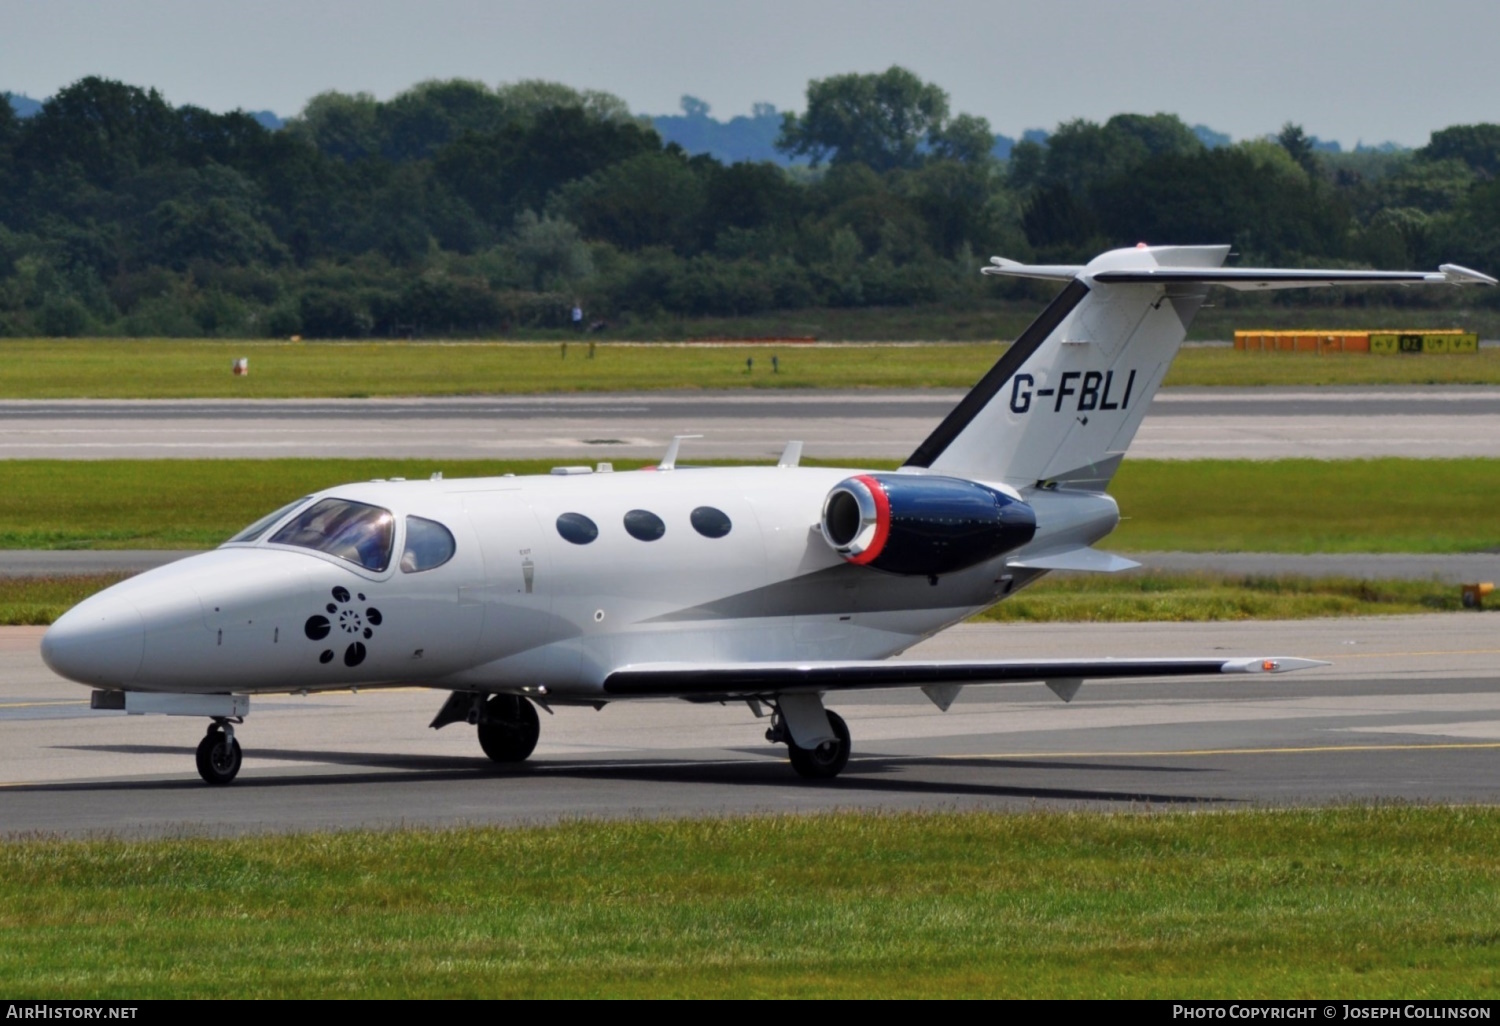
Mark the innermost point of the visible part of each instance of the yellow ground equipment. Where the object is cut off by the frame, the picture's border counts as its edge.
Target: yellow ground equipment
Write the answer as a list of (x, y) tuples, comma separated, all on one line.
[(1378, 342)]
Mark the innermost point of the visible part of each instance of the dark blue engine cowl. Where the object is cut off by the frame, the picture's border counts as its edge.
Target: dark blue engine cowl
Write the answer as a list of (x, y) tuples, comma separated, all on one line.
[(920, 524)]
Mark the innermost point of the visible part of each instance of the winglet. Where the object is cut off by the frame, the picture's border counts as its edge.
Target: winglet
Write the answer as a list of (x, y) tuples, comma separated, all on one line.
[(1275, 664), (1457, 275)]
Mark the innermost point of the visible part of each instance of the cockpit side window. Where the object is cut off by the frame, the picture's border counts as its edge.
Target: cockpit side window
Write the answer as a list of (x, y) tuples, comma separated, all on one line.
[(360, 533), (263, 525), (428, 544)]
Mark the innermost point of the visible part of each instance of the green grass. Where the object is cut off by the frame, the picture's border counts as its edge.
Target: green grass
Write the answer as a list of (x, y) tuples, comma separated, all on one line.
[(1140, 597), (1334, 903), (1381, 505), (157, 368), (1386, 505), (36, 601), (1101, 598)]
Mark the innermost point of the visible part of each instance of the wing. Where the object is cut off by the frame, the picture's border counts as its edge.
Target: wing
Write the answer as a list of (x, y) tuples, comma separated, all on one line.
[(715, 681)]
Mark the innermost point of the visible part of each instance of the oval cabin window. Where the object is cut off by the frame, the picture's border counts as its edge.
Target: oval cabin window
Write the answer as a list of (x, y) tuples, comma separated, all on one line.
[(644, 524), (577, 528), (710, 522)]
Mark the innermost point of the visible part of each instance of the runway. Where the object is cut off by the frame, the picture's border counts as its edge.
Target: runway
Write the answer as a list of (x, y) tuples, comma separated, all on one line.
[(1188, 423), (1409, 711)]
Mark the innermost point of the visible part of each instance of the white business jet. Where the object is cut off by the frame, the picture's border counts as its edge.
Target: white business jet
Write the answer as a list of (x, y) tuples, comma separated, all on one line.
[(773, 586)]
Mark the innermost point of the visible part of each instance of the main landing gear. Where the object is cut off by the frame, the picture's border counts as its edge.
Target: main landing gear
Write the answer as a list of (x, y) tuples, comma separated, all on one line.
[(508, 724), (823, 752), (219, 754)]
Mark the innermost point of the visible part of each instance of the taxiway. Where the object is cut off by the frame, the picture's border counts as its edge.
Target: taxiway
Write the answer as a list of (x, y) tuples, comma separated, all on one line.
[(1184, 423), (1409, 710)]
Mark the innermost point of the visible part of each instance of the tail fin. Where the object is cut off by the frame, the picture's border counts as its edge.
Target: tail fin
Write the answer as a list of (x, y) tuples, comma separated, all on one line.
[(1064, 401)]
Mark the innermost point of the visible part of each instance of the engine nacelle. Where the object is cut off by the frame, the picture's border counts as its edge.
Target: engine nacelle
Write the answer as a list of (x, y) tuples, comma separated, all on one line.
[(919, 524)]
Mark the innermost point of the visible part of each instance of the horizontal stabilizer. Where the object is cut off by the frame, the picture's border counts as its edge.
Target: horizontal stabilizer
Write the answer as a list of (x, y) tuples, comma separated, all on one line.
[(1083, 559), (1257, 278), (714, 681), (1016, 269)]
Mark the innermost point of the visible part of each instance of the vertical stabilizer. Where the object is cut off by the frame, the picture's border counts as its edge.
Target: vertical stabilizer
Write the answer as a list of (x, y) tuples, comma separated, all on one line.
[(1064, 401)]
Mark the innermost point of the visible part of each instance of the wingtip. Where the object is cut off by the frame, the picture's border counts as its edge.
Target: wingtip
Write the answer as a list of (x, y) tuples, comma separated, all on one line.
[(1273, 664), (1457, 274)]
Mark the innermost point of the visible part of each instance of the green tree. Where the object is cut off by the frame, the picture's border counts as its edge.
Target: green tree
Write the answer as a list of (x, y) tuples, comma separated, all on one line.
[(342, 125), (654, 199), (1475, 145), (883, 121), (1298, 146), (550, 252)]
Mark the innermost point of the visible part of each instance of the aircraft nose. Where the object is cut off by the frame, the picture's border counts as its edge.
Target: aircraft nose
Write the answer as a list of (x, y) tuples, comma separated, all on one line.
[(100, 641)]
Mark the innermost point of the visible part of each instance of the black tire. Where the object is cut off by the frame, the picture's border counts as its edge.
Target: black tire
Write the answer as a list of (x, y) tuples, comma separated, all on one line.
[(219, 758), (509, 728), (828, 759)]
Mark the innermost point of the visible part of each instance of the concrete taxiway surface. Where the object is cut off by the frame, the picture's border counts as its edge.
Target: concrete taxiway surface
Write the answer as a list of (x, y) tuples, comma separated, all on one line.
[(1189, 423), (1409, 710)]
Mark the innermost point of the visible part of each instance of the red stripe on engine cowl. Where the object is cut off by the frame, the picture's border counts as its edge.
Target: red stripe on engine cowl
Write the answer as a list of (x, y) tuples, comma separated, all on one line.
[(882, 520)]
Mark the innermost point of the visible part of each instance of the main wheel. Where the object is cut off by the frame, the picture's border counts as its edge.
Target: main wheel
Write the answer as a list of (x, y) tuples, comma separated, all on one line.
[(509, 728), (218, 757), (829, 758)]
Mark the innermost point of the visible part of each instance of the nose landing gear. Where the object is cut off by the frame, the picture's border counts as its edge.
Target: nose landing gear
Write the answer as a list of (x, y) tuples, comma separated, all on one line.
[(219, 753), (508, 728)]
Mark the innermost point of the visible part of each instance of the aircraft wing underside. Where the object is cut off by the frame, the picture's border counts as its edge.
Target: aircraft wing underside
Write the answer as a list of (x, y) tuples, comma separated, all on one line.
[(750, 680)]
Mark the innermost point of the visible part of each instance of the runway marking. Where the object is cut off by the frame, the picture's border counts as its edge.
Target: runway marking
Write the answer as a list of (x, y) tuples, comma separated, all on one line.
[(33, 705), (1213, 751)]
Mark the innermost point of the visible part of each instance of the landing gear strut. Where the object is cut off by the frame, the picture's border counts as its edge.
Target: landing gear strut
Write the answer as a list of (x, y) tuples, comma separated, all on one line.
[(508, 728), (219, 753)]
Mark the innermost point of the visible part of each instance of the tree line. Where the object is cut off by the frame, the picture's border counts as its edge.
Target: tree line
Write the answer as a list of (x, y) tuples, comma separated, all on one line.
[(461, 209)]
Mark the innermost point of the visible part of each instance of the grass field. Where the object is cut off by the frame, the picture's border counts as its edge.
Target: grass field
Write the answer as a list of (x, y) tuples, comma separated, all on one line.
[(1115, 598), (1142, 597), (116, 369), (1386, 505), (1352, 903)]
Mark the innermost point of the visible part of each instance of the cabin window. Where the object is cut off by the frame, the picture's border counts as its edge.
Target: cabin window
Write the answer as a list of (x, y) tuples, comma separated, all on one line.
[(428, 544), (263, 525), (710, 522), (644, 524), (359, 533), (577, 528)]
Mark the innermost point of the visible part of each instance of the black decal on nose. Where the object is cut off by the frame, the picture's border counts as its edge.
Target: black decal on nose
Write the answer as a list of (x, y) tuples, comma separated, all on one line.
[(327, 656), (331, 608), (368, 634), (373, 615), (361, 596), (317, 627), (354, 654), (341, 593)]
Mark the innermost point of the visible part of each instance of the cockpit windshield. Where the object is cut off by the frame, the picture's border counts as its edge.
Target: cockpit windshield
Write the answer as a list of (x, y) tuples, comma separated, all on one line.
[(349, 530), (263, 525)]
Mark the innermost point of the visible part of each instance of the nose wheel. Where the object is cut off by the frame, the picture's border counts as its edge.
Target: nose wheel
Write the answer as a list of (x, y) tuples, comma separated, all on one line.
[(219, 753), (508, 728)]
